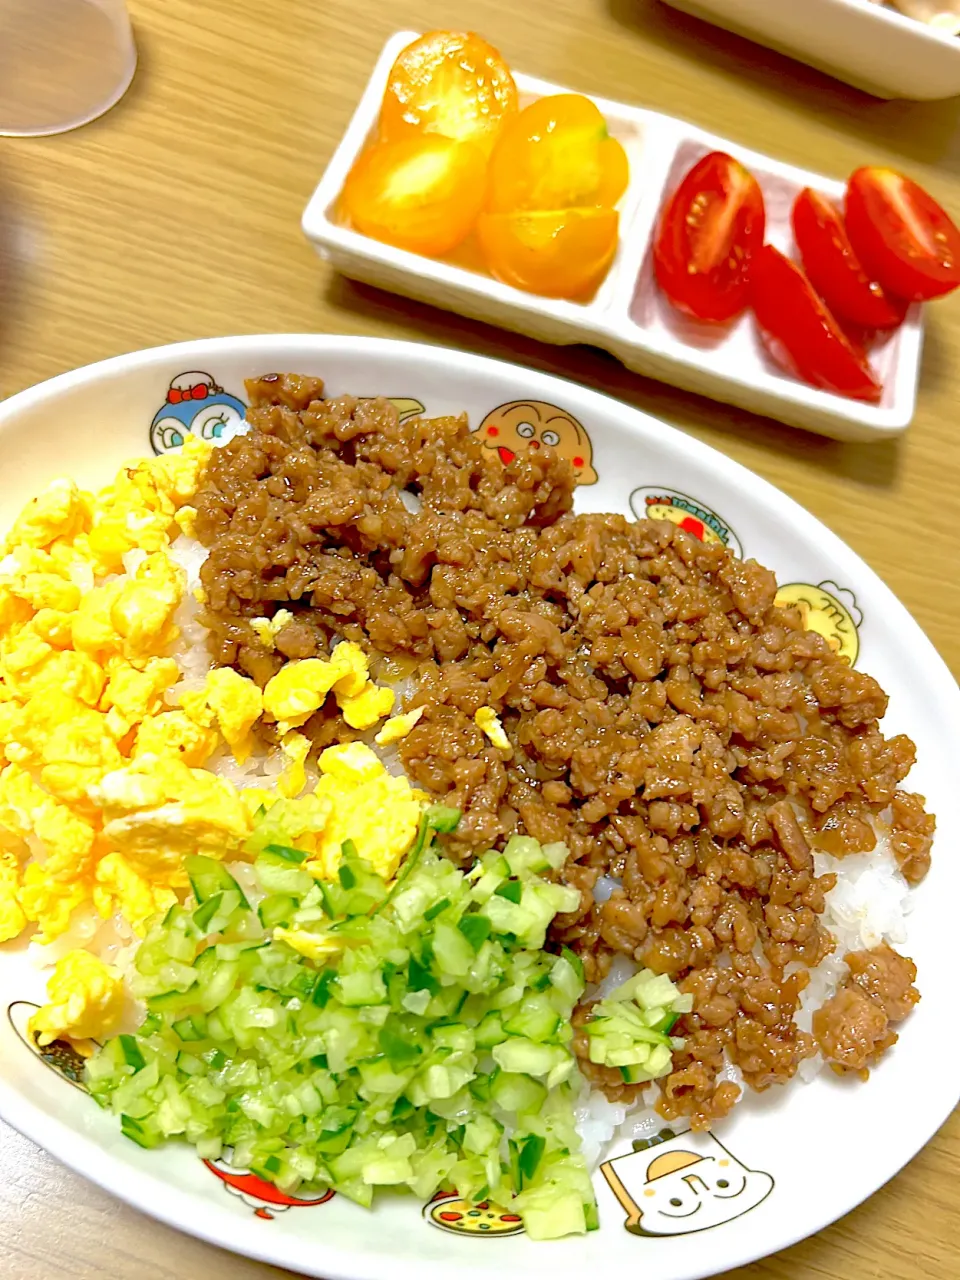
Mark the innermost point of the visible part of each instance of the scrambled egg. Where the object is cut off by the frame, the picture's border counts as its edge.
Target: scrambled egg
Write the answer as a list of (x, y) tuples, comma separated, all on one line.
[(103, 784), (367, 805), (296, 747), (12, 919), (267, 629), (158, 810), (88, 594), (300, 688), (488, 723), (314, 946), (398, 727), (85, 1001), (231, 700)]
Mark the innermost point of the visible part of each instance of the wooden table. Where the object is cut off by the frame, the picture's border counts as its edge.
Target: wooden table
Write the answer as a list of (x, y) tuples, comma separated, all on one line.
[(177, 216)]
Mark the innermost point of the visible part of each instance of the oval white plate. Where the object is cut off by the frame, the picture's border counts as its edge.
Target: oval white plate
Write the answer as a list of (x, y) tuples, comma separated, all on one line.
[(802, 1156)]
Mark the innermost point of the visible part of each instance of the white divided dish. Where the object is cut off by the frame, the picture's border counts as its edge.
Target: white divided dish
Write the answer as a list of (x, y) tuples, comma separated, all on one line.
[(873, 48), (629, 316)]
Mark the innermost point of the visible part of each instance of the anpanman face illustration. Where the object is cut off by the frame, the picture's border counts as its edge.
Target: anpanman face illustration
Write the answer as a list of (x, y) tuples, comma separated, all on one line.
[(534, 424), (683, 1184), (829, 610)]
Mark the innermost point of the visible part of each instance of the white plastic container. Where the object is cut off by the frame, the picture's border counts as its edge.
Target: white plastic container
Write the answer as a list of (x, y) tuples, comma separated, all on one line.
[(629, 316), (64, 63), (875, 49)]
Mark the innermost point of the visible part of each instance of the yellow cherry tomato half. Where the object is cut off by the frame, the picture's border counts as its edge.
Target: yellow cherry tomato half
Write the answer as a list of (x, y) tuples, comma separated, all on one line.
[(421, 193), (556, 154), (555, 253), (452, 83)]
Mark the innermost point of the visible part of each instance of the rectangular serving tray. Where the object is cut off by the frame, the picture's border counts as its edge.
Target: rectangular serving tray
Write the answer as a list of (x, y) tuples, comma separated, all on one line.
[(628, 316)]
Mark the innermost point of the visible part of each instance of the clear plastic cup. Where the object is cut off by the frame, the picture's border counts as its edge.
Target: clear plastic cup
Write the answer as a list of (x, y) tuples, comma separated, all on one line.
[(62, 63)]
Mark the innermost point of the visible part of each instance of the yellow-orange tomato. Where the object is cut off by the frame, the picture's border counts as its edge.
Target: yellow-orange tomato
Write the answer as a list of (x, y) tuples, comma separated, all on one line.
[(452, 83), (556, 154), (556, 253), (421, 193)]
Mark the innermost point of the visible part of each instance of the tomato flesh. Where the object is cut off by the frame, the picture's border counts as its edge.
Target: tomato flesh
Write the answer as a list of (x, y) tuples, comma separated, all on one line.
[(561, 253), (834, 269), (800, 333), (710, 230), (421, 193), (904, 239), (452, 83), (556, 154)]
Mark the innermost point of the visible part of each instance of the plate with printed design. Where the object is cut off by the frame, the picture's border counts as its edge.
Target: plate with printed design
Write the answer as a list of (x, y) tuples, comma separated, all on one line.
[(678, 1205)]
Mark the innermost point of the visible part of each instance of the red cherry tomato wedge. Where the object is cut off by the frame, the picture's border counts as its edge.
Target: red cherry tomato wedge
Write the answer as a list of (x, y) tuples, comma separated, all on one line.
[(800, 333), (711, 227), (834, 269), (901, 235)]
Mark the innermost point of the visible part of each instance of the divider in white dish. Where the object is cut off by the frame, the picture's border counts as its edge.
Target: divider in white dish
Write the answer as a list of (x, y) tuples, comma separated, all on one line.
[(629, 316)]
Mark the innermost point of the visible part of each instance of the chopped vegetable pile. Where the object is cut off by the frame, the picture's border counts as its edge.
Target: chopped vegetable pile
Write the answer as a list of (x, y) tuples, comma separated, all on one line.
[(356, 1034)]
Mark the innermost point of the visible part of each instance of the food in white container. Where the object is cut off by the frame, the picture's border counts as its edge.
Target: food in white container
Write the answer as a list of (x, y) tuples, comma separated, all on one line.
[(871, 47), (628, 316)]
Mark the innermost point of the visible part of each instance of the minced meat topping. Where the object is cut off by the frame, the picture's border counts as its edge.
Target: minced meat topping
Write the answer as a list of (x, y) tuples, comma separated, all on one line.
[(688, 739)]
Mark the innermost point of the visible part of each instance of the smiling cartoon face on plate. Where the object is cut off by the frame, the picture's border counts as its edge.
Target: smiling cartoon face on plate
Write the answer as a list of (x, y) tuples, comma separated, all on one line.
[(684, 1184), (534, 424), (829, 610), (196, 405)]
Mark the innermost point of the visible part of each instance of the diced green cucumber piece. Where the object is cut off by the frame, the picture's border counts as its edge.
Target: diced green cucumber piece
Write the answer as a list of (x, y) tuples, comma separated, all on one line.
[(524, 854), (208, 878), (288, 853), (443, 818)]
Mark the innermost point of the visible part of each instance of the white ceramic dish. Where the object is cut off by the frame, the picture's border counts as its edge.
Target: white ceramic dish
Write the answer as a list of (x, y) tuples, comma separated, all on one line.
[(806, 1154), (875, 49), (628, 316)]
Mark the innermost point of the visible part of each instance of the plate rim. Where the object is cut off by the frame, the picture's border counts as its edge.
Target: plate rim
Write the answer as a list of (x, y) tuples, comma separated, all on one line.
[(150, 1193)]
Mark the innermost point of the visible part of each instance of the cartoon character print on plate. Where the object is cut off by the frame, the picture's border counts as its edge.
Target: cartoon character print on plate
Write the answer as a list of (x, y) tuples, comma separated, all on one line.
[(663, 502), (462, 1218), (533, 424), (196, 405), (264, 1198), (830, 610), (65, 1057), (674, 1185)]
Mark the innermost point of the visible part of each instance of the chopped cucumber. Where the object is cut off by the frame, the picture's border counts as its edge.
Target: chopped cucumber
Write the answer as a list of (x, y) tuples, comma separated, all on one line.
[(384, 1036), (630, 1029)]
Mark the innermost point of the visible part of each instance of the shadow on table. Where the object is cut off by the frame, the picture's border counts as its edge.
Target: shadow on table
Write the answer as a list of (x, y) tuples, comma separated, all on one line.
[(869, 464), (925, 132)]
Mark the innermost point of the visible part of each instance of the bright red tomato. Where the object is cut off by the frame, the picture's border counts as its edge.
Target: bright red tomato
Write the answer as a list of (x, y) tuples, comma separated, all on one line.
[(901, 235), (801, 334), (710, 229), (834, 269)]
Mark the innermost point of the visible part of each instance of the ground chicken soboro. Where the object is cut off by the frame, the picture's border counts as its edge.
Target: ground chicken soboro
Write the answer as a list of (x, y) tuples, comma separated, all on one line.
[(676, 729)]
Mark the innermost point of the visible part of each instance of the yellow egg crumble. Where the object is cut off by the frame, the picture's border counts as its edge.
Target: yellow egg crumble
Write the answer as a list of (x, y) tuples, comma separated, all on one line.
[(104, 784)]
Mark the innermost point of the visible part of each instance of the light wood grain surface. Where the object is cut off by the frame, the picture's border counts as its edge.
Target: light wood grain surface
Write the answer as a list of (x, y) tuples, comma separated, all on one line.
[(177, 216)]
